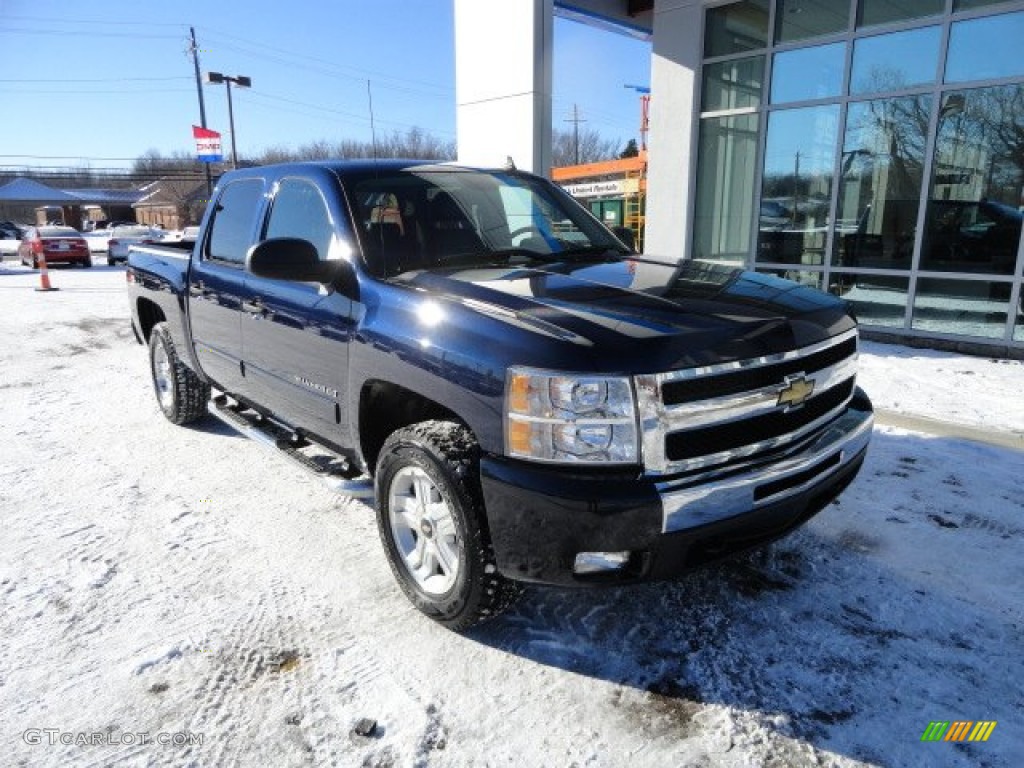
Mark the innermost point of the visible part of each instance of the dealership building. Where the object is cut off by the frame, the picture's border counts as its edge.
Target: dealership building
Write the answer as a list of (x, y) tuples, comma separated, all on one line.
[(871, 148)]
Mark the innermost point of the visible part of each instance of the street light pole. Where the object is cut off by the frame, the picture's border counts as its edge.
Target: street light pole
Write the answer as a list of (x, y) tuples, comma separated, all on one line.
[(242, 82), (231, 123)]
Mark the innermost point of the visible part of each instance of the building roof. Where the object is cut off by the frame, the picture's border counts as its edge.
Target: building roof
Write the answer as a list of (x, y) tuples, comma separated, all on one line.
[(31, 191), (23, 190)]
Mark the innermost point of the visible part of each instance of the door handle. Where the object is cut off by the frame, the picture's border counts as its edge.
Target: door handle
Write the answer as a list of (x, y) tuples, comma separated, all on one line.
[(197, 290)]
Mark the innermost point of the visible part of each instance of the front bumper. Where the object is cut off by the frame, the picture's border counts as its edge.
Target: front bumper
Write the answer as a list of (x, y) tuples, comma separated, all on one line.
[(540, 518)]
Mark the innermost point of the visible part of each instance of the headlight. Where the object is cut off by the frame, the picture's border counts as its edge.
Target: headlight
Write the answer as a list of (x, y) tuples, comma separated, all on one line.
[(570, 418)]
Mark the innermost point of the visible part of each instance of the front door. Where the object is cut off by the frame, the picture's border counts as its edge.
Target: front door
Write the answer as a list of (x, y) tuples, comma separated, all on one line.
[(295, 335)]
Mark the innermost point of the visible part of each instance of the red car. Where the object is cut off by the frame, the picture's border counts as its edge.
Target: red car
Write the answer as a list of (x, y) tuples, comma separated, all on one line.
[(60, 245)]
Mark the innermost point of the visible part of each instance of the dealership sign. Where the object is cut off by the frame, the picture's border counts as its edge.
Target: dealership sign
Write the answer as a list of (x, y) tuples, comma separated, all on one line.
[(207, 144), (617, 187)]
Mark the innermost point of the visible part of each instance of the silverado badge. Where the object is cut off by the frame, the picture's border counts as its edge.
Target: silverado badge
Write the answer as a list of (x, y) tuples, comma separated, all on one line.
[(798, 388)]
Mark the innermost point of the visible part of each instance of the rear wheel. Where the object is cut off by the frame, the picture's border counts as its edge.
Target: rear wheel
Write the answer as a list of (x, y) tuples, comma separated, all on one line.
[(430, 516), (181, 394)]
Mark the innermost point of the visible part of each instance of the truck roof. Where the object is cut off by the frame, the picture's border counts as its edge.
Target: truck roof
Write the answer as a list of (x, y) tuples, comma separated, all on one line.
[(355, 166)]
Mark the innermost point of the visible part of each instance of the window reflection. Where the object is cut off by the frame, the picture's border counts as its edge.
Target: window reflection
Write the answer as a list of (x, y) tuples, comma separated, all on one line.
[(974, 209), (797, 185), (725, 187), (733, 84), (986, 48), (810, 279), (801, 19), (875, 299), (966, 308), (880, 182), (736, 28), (883, 11), (895, 61), (808, 73)]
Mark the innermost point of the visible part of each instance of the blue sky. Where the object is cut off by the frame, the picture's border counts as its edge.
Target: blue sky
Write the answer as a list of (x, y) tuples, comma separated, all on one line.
[(99, 83)]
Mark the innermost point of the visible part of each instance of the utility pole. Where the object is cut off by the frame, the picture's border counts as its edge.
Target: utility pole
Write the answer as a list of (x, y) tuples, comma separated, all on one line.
[(194, 50), (576, 120)]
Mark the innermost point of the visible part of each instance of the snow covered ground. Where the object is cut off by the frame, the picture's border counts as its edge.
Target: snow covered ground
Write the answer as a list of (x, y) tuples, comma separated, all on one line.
[(162, 580)]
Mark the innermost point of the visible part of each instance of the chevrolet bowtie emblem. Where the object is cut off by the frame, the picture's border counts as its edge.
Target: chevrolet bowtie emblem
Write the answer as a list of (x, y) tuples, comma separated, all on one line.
[(798, 388)]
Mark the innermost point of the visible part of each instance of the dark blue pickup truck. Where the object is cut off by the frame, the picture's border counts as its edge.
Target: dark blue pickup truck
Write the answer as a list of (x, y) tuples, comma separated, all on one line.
[(524, 397)]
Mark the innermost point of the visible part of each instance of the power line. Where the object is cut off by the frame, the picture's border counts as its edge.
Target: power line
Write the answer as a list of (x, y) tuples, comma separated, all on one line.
[(96, 80), (104, 22), (78, 33), (261, 48)]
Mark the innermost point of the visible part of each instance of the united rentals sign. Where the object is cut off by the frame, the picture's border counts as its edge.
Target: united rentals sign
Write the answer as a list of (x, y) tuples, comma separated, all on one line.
[(616, 188)]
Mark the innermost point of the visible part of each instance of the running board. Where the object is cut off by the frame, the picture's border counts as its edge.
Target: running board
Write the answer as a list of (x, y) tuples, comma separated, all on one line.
[(332, 471)]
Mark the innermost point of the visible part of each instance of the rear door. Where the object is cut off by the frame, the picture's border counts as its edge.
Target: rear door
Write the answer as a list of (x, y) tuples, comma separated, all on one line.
[(295, 335), (217, 280)]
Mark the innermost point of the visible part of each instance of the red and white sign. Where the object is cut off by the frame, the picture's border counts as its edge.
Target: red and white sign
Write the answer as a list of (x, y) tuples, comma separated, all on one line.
[(207, 144)]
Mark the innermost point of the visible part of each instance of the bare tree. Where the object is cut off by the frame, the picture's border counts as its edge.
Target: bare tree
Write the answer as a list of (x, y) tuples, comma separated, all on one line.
[(593, 147)]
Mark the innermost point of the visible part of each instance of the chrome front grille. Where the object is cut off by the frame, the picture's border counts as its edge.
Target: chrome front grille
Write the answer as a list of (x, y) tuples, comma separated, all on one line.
[(703, 418)]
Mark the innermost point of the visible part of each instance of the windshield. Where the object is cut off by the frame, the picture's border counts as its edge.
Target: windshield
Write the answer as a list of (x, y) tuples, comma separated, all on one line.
[(437, 219)]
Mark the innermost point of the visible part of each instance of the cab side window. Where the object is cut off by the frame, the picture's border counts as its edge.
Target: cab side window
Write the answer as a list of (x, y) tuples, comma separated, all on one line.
[(300, 211), (232, 230)]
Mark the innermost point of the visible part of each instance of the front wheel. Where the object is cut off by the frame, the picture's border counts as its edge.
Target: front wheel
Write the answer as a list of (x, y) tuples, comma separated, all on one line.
[(182, 395), (430, 516)]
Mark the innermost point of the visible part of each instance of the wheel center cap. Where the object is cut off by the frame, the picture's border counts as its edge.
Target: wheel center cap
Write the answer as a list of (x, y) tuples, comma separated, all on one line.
[(427, 528)]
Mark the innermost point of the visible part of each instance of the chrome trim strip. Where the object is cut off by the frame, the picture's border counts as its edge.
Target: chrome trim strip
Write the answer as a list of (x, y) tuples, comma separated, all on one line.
[(658, 420), (758, 362), (745, 405), (693, 506), (725, 457)]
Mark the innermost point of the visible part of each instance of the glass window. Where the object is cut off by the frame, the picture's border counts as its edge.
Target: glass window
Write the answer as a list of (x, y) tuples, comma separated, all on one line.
[(810, 279), (988, 48), (895, 61), (801, 19), (875, 299), (880, 182), (884, 11), (300, 211), (725, 187), (966, 308), (1018, 332), (736, 28), (232, 232), (974, 208), (966, 5), (733, 84), (808, 73), (797, 185)]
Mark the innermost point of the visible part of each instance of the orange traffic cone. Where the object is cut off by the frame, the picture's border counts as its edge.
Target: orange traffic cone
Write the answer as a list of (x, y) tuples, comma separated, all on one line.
[(44, 276)]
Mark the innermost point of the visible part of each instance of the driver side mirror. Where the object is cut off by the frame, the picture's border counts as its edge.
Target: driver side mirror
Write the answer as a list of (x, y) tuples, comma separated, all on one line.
[(297, 260)]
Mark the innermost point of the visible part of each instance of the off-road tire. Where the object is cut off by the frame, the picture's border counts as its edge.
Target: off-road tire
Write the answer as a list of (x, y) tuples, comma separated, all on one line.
[(449, 455), (186, 395)]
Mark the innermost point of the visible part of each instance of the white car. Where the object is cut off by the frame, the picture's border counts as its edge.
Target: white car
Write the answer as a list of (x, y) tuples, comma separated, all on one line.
[(98, 240), (122, 238), (8, 245)]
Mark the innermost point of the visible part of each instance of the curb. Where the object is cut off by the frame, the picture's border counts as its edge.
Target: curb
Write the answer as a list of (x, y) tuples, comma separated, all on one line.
[(999, 438)]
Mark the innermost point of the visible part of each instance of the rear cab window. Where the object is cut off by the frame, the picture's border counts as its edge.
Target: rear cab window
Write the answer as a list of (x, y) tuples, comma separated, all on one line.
[(234, 221)]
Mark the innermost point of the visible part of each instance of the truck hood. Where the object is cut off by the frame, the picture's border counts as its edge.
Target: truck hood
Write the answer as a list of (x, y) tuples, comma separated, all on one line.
[(654, 315)]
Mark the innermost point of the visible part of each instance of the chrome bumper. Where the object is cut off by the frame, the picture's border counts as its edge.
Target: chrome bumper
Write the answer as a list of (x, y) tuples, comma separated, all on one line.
[(712, 501)]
